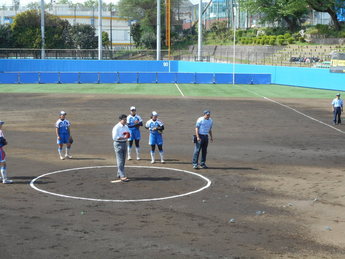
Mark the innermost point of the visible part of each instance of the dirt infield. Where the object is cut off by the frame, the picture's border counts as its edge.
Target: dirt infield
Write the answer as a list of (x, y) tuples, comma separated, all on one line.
[(277, 181)]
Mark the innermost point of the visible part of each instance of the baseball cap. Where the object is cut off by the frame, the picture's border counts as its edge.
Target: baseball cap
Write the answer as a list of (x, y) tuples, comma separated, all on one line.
[(154, 113), (132, 108), (207, 112), (338, 94), (2, 122), (63, 113)]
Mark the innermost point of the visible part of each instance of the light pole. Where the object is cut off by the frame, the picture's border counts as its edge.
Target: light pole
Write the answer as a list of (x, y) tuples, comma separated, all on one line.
[(158, 30), (42, 31), (99, 29), (200, 30)]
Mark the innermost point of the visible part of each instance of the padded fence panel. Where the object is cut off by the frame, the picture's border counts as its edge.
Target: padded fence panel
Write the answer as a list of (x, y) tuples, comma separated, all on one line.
[(129, 78), (28, 78), (223, 78), (204, 78), (166, 78), (49, 78), (252, 79), (8, 78), (89, 78), (185, 78), (69, 78), (147, 78), (108, 78)]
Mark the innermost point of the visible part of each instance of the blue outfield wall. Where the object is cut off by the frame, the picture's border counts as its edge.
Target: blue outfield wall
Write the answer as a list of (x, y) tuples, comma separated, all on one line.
[(121, 71)]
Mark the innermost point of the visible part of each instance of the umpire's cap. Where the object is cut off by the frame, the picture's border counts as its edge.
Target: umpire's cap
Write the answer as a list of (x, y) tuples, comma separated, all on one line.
[(2, 122), (207, 112), (154, 113), (63, 113)]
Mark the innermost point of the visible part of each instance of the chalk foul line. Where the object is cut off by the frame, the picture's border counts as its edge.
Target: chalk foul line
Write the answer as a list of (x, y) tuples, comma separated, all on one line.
[(178, 88), (293, 109)]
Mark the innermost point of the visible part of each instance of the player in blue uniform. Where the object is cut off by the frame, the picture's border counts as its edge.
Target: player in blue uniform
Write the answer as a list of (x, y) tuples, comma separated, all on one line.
[(134, 122), (3, 143), (156, 128), (337, 106), (63, 135)]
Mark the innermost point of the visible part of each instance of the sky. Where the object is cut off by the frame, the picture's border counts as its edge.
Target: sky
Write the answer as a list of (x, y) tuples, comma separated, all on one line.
[(25, 2)]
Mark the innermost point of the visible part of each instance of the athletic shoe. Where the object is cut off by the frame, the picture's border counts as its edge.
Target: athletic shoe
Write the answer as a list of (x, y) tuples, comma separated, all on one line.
[(68, 156), (6, 181), (138, 157), (195, 167), (162, 161), (204, 166), (152, 161), (129, 157), (62, 158)]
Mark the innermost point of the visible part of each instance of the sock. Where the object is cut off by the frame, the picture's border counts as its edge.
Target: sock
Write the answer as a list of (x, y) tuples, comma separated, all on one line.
[(3, 172), (161, 153), (129, 151), (152, 155), (60, 151), (138, 151), (68, 151)]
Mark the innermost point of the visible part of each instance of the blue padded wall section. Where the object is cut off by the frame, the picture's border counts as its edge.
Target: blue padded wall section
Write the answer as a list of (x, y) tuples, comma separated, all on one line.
[(90, 78), (8, 78), (29, 78), (69, 78), (166, 78), (108, 78), (204, 78), (49, 78), (223, 78), (129, 78), (185, 78), (147, 78)]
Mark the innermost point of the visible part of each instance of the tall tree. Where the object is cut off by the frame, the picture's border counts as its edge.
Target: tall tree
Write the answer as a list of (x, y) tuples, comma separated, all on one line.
[(84, 36), (6, 39), (328, 6), (26, 30), (290, 11)]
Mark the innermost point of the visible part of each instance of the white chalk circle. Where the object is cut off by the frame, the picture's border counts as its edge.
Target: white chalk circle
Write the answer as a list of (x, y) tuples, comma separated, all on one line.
[(208, 183)]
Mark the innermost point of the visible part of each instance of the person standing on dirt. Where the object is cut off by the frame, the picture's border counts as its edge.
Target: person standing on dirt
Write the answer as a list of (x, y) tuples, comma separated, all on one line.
[(134, 122), (3, 143), (63, 134), (337, 105), (156, 128), (203, 128), (120, 134)]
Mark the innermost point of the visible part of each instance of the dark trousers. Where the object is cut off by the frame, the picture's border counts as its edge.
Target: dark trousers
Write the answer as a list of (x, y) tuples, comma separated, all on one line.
[(200, 146), (337, 113)]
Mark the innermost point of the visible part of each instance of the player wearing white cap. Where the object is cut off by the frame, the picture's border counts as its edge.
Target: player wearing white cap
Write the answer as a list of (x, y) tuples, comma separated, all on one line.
[(134, 122), (63, 135), (337, 107), (156, 128), (3, 143)]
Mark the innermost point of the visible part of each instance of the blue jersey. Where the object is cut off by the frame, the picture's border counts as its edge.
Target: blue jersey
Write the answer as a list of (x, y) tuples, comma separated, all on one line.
[(63, 127), (134, 122), (155, 138), (204, 126)]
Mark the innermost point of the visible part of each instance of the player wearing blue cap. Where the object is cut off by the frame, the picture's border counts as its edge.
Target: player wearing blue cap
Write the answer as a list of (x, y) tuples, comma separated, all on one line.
[(203, 128), (156, 128), (3, 143), (63, 135), (134, 122)]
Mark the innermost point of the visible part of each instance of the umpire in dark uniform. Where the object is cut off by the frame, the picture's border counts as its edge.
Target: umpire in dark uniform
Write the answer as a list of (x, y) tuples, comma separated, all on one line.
[(203, 128)]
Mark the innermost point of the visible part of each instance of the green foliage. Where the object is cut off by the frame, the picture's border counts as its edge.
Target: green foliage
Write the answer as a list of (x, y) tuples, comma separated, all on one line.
[(6, 36), (83, 36), (148, 39), (26, 30)]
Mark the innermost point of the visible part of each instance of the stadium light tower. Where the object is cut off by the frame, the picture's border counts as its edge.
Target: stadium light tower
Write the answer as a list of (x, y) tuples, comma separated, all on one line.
[(100, 30), (200, 30), (42, 31), (158, 30)]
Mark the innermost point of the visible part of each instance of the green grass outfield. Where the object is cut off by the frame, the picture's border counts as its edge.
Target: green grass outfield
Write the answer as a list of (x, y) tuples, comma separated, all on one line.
[(188, 90)]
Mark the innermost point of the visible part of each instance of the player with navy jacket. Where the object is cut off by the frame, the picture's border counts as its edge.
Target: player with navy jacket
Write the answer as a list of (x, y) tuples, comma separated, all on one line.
[(156, 128), (134, 122), (63, 135)]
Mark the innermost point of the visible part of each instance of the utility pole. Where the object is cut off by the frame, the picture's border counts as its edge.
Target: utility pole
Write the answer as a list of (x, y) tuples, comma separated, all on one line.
[(200, 30), (158, 34), (43, 56), (100, 30)]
